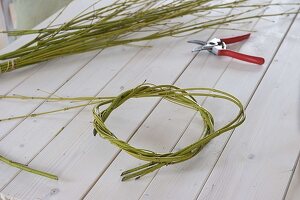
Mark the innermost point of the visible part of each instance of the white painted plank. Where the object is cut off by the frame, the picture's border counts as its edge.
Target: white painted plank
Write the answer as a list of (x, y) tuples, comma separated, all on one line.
[(258, 160), (70, 187), (61, 69), (141, 66), (191, 176), (87, 82), (64, 188), (50, 77), (293, 192), (79, 148), (181, 183), (60, 17), (8, 81)]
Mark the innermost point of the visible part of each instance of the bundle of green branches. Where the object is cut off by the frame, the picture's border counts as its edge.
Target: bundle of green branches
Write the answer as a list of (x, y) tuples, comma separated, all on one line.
[(118, 23), (184, 97)]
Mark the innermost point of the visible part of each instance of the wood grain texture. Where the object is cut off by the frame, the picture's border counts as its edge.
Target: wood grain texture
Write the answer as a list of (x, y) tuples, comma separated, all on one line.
[(147, 66), (259, 158), (9, 81), (49, 77), (184, 180), (140, 67), (89, 167), (293, 192), (92, 153)]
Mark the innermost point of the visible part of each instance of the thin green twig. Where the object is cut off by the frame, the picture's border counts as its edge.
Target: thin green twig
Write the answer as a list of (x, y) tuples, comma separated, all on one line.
[(118, 24), (184, 97)]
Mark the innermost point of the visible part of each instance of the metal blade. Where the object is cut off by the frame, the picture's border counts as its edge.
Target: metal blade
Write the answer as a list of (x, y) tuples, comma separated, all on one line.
[(200, 42), (203, 48)]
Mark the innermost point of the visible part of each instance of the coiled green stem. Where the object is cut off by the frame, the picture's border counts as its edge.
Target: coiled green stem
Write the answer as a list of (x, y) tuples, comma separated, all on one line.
[(184, 97)]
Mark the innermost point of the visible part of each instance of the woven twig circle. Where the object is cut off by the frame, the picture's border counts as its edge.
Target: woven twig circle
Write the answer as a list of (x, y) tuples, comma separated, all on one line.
[(176, 95)]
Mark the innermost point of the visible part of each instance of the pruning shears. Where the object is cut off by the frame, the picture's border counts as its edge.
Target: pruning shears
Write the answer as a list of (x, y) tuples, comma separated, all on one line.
[(218, 47)]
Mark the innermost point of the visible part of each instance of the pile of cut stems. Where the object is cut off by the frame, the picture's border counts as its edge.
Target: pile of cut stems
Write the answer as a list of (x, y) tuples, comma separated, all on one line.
[(121, 23)]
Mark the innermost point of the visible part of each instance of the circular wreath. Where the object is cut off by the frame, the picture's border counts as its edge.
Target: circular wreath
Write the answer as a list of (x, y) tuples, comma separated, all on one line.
[(184, 97)]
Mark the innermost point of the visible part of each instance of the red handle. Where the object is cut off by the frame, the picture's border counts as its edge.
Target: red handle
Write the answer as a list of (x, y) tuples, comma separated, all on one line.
[(236, 39), (243, 57)]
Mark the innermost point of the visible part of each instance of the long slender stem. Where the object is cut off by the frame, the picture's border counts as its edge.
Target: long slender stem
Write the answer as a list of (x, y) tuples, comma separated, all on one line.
[(117, 24), (28, 169)]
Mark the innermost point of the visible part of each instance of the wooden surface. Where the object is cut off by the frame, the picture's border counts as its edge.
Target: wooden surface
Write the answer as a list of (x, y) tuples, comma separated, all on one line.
[(256, 161)]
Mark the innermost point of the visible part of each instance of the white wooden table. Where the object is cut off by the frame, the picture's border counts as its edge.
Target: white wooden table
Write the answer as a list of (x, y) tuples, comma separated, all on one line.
[(258, 160)]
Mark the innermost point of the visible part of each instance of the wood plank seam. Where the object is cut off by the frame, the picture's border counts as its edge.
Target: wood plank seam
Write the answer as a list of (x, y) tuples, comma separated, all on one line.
[(296, 165), (42, 102), (2, 188), (280, 53), (248, 102), (68, 122), (68, 79), (231, 132), (44, 64), (96, 180), (187, 65), (132, 58), (192, 59), (179, 137), (41, 64)]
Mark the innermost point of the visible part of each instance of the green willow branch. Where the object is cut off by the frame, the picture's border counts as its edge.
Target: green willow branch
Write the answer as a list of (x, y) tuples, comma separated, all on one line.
[(28, 169), (118, 24), (184, 97)]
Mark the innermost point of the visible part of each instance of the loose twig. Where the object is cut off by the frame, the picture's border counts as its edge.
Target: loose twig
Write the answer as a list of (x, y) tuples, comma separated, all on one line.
[(184, 97)]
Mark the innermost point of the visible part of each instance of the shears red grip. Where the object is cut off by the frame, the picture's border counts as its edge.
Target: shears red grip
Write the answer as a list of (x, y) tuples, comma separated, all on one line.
[(218, 47)]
